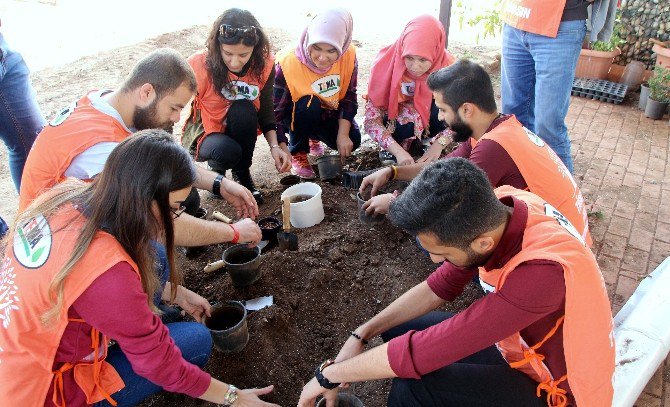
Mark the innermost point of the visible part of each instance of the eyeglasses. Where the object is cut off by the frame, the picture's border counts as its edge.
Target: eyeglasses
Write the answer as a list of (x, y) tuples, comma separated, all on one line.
[(177, 212), (228, 31)]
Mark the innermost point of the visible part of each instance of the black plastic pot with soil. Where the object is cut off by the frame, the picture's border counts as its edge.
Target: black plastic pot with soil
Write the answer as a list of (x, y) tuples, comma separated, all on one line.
[(343, 400), (362, 215), (330, 167), (228, 326), (243, 264), (191, 252), (270, 226)]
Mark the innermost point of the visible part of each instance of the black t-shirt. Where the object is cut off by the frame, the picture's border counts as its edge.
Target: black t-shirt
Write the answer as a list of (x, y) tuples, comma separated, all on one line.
[(575, 10)]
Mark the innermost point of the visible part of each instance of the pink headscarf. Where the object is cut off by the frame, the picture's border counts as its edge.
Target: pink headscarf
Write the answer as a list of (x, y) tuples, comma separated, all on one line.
[(333, 27), (423, 36)]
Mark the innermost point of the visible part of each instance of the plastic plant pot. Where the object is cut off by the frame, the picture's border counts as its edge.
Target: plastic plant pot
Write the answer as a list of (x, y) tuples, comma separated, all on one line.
[(243, 264), (195, 251), (330, 167), (306, 204), (228, 326), (644, 95), (364, 217), (270, 226), (353, 179), (343, 400), (654, 109)]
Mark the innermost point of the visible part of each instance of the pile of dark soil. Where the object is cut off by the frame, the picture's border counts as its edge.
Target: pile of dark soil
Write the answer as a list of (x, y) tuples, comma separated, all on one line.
[(342, 275)]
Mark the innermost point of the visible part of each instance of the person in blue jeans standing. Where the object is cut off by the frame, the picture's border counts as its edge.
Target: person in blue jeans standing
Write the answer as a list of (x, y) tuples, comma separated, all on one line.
[(541, 44), (20, 116)]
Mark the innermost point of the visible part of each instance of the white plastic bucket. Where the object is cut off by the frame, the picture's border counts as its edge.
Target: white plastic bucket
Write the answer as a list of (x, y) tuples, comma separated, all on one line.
[(307, 213)]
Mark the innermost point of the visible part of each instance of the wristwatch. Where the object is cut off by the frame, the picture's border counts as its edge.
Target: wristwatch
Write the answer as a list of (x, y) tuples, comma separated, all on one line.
[(231, 396), (444, 142), (323, 381)]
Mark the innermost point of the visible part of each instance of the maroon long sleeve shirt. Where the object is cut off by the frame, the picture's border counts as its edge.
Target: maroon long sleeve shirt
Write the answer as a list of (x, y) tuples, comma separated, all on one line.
[(531, 301), (116, 305)]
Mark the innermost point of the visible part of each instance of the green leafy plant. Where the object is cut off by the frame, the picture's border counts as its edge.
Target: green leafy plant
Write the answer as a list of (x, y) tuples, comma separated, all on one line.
[(615, 39), (484, 15), (659, 85)]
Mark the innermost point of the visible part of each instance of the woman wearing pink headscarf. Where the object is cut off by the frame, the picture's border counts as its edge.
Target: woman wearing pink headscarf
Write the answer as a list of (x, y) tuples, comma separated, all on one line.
[(315, 90), (400, 110)]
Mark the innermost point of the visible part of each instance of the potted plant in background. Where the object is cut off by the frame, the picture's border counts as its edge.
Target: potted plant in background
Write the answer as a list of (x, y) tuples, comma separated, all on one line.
[(595, 60), (644, 95), (659, 93), (662, 50)]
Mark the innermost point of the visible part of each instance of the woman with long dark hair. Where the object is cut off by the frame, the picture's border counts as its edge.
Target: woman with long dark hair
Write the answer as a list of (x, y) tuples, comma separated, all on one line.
[(78, 270), (235, 76)]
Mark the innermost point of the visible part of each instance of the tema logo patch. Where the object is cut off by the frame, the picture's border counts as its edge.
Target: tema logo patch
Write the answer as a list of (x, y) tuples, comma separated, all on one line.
[(62, 115), (327, 86), (32, 242), (238, 90), (534, 138), (563, 221)]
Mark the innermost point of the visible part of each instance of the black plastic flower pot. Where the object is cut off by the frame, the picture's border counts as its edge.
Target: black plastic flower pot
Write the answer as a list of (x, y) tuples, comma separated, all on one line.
[(191, 252), (270, 226), (228, 326), (654, 109), (353, 179), (364, 217), (330, 167), (243, 264), (343, 400)]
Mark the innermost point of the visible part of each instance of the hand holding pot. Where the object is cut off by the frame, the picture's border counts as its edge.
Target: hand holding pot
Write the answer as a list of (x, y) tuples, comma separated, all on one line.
[(378, 205), (192, 303), (376, 180), (240, 198), (249, 232), (282, 158), (312, 390)]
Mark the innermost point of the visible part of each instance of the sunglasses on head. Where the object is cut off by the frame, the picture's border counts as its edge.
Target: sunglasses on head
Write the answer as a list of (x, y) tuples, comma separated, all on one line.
[(228, 31)]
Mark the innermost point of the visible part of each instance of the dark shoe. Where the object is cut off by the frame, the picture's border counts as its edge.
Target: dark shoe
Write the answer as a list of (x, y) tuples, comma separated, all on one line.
[(243, 177)]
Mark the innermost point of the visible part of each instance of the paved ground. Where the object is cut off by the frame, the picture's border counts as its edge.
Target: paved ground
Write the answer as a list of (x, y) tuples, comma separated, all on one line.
[(621, 164)]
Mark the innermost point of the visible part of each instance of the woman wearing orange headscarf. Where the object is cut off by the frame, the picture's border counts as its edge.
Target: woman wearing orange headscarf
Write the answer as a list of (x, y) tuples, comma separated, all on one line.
[(400, 111)]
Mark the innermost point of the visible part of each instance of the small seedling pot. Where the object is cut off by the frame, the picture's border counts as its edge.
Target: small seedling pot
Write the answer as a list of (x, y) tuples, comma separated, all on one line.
[(364, 217), (270, 226), (330, 167), (654, 109), (343, 400), (353, 179), (228, 326), (243, 264), (306, 204)]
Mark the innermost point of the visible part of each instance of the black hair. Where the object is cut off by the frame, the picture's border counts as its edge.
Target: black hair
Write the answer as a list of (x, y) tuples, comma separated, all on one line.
[(464, 82), (451, 199)]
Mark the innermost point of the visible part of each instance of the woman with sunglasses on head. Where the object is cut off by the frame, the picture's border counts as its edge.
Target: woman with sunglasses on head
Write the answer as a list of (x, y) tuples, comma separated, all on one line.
[(400, 110), (315, 90), (235, 74), (78, 270)]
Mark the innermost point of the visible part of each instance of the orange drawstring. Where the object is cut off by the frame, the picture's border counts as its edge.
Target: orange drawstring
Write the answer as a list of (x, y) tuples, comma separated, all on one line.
[(97, 367), (556, 397), (309, 102), (530, 354)]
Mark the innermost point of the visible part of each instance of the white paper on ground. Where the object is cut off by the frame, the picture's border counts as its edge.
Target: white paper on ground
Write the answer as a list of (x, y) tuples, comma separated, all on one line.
[(258, 303)]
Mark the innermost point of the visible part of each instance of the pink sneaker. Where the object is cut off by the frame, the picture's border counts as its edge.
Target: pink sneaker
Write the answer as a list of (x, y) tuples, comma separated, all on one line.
[(316, 148), (300, 166)]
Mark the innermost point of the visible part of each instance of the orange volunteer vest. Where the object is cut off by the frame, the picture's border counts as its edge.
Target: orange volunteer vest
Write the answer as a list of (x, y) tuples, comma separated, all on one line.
[(74, 130), (588, 339), (36, 254), (543, 171), (536, 16), (210, 106), (330, 87)]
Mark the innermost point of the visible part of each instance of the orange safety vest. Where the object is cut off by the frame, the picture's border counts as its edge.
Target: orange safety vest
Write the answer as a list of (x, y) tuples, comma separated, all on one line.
[(536, 16), (210, 106), (73, 131), (329, 87), (588, 339), (37, 252), (544, 172)]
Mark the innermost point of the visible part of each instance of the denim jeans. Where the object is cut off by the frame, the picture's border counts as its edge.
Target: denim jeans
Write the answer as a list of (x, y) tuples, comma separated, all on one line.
[(193, 340), (20, 116), (537, 74)]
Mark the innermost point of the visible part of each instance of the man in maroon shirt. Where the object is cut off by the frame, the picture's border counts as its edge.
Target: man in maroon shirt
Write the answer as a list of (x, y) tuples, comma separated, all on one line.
[(443, 359)]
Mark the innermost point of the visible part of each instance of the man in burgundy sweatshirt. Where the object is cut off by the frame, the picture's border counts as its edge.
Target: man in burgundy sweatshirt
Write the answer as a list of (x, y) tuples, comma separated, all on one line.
[(545, 290)]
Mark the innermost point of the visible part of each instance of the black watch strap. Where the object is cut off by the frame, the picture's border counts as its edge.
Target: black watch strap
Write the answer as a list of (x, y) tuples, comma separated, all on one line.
[(323, 381), (216, 186)]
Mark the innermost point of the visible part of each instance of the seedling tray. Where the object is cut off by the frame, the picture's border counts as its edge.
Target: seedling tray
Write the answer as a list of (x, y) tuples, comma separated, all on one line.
[(599, 89)]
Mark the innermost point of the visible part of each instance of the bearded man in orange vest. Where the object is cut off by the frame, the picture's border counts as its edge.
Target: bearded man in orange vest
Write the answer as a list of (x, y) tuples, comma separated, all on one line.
[(541, 336), (77, 142), (509, 153)]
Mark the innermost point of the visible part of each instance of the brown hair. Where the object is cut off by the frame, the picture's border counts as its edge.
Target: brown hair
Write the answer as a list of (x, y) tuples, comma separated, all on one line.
[(236, 18), (141, 170), (165, 69)]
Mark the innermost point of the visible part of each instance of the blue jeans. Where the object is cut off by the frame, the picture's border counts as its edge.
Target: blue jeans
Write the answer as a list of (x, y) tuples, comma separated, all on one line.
[(20, 116), (537, 74), (193, 340)]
